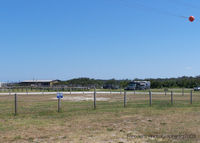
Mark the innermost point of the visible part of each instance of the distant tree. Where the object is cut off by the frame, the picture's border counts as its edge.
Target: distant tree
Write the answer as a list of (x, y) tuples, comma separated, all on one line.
[(124, 83), (180, 82)]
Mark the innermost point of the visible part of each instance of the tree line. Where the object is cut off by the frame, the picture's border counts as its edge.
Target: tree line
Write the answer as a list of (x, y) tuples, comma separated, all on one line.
[(180, 82)]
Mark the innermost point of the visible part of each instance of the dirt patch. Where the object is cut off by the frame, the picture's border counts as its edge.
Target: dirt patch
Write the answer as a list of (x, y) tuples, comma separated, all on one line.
[(83, 98)]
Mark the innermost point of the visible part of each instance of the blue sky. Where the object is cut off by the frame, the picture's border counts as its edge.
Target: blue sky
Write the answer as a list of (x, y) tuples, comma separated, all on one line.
[(64, 39)]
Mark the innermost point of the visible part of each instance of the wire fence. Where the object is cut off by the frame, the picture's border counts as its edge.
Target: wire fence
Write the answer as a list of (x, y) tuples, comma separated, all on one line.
[(49, 104), (16, 89)]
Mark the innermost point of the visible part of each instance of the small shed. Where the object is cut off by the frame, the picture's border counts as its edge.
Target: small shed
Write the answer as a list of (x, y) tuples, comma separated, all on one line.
[(39, 83)]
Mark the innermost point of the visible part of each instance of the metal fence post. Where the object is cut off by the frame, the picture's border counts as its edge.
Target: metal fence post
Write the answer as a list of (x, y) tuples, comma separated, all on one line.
[(43, 91), (191, 97), (165, 90), (125, 99), (120, 91), (26, 91), (9, 91), (94, 98), (182, 91), (15, 104), (150, 98), (171, 97), (59, 104)]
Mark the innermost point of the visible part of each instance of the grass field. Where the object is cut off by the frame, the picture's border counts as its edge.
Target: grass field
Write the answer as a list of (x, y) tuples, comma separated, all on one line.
[(38, 120)]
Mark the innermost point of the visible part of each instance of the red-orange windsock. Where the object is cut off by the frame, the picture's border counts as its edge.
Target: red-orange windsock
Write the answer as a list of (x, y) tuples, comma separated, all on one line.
[(191, 18)]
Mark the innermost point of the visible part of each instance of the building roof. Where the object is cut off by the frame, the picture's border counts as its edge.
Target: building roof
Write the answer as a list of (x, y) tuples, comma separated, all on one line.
[(38, 81)]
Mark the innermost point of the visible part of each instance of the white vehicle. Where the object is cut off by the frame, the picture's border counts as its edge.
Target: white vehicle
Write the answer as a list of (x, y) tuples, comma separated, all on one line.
[(138, 85), (197, 88)]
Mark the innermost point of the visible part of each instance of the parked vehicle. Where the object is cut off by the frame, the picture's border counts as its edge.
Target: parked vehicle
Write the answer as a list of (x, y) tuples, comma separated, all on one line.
[(131, 86), (197, 88), (111, 87), (138, 85)]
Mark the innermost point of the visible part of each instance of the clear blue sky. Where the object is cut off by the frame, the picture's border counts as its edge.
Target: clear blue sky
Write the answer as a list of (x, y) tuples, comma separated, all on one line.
[(64, 39)]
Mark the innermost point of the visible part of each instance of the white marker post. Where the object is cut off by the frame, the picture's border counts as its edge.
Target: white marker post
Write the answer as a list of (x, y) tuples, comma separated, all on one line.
[(59, 96)]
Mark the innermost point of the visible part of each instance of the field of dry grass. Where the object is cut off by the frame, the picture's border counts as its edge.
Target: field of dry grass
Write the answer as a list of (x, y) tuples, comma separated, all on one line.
[(38, 120)]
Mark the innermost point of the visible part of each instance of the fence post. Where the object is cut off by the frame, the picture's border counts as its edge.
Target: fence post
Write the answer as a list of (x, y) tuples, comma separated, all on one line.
[(26, 91), (9, 91), (94, 98), (43, 91), (70, 90), (15, 104), (191, 97), (150, 98), (120, 91), (171, 97), (59, 104), (110, 91), (182, 91), (165, 90), (125, 99)]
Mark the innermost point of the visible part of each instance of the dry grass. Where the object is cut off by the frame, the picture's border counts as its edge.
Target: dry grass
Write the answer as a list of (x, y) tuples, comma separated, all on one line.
[(38, 120)]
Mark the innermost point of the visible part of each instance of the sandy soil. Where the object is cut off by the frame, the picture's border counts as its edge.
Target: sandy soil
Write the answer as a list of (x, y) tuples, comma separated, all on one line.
[(84, 97)]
